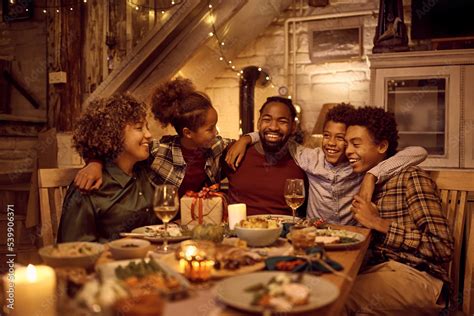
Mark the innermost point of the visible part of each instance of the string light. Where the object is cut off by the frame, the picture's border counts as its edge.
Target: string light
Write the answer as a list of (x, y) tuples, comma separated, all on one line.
[(68, 5), (220, 45), (157, 7)]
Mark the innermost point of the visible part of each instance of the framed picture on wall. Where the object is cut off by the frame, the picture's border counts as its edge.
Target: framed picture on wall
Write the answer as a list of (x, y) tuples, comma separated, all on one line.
[(335, 40)]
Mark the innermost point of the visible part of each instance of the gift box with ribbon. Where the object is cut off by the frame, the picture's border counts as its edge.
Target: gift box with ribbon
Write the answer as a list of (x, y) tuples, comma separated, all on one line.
[(209, 206)]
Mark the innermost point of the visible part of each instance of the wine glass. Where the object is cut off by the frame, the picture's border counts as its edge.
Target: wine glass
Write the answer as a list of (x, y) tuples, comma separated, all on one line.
[(294, 194), (165, 205)]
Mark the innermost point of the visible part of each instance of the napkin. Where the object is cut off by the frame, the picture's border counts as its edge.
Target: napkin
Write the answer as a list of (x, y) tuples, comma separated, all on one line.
[(270, 263)]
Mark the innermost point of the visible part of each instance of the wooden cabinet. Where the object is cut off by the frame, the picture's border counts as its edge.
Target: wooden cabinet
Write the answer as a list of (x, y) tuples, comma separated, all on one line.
[(432, 96)]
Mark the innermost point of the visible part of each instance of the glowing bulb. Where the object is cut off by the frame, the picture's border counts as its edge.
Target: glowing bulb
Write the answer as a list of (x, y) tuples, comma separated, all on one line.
[(241, 71), (289, 97), (259, 69), (26, 10), (211, 34), (172, 2), (222, 43), (136, 8), (230, 61), (233, 67), (85, 1), (221, 58), (267, 77), (211, 19), (162, 12), (210, 6), (57, 10), (44, 11), (31, 273), (71, 9)]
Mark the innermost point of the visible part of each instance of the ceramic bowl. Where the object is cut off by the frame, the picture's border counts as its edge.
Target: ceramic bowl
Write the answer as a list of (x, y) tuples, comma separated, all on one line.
[(71, 254), (258, 237), (129, 248)]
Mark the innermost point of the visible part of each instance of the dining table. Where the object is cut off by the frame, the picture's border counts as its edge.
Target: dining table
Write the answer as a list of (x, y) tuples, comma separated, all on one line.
[(204, 302), (202, 299)]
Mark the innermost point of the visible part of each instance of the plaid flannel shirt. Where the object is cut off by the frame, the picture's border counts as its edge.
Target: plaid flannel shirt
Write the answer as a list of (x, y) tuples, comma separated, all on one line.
[(169, 167), (419, 235)]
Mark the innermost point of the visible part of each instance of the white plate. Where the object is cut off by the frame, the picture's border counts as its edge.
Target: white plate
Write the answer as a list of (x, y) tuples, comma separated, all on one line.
[(232, 292), (340, 246), (143, 230), (278, 218)]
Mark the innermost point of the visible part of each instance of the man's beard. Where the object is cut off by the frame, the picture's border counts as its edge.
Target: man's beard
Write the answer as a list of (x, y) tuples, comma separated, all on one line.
[(274, 152)]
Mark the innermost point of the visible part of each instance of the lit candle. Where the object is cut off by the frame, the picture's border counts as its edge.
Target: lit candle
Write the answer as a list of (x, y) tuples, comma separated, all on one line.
[(34, 291), (196, 260), (237, 212)]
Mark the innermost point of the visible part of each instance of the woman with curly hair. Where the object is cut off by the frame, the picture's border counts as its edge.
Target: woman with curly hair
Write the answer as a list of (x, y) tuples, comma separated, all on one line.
[(192, 158), (114, 130)]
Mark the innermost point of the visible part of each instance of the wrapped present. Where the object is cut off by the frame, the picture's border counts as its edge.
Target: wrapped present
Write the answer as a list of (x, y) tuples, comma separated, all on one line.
[(209, 206)]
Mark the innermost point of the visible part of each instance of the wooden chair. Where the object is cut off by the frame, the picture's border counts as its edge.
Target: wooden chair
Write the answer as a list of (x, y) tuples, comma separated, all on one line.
[(454, 187), (52, 185)]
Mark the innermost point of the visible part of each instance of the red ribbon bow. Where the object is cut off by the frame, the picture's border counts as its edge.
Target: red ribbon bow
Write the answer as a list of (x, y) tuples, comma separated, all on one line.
[(206, 193)]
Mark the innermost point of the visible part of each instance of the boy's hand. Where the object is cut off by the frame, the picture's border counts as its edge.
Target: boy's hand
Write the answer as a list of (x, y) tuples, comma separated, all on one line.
[(90, 177), (367, 214), (236, 152)]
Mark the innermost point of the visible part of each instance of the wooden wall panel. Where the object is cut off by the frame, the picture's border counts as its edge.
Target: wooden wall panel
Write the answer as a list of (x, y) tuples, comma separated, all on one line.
[(65, 40), (94, 50)]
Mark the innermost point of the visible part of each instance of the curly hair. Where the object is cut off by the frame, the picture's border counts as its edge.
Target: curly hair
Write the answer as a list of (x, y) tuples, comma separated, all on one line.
[(380, 124), (285, 101), (339, 113), (99, 132), (177, 102)]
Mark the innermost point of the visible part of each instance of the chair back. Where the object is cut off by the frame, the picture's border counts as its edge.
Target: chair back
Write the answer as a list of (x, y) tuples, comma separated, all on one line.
[(52, 186), (454, 187)]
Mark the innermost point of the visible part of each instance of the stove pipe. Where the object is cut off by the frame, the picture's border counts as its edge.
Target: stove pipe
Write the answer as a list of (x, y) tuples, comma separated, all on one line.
[(250, 77)]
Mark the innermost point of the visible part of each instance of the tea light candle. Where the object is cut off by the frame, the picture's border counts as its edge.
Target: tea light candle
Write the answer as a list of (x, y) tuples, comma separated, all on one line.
[(237, 212), (35, 291), (196, 260)]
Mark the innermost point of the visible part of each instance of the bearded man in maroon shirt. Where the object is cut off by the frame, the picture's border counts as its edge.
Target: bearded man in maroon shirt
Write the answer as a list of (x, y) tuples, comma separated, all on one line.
[(260, 178)]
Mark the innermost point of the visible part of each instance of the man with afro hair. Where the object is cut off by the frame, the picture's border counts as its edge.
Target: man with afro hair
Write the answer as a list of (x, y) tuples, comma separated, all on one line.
[(411, 240)]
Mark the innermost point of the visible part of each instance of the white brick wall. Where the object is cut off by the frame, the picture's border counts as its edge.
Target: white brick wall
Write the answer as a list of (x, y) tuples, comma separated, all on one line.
[(316, 83)]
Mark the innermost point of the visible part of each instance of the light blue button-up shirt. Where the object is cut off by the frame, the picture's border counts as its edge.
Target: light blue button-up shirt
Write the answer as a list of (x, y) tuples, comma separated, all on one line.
[(332, 188)]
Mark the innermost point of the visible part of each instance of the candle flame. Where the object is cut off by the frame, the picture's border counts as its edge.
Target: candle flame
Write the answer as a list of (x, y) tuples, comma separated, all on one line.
[(31, 273), (190, 252)]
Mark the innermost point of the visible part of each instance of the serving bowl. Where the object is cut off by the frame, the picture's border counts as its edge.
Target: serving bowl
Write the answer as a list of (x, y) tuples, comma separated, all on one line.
[(258, 237), (71, 254), (129, 248)]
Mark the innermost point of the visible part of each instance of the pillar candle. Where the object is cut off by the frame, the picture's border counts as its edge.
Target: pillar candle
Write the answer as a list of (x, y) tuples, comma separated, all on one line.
[(34, 291), (237, 212)]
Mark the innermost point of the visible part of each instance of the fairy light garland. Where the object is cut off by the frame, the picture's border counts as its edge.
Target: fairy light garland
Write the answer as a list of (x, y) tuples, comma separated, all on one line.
[(222, 57), (70, 6), (213, 33)]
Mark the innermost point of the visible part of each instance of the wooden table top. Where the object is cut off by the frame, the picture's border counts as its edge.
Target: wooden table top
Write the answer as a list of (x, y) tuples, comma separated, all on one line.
[(204, 303)]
